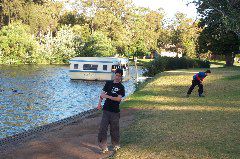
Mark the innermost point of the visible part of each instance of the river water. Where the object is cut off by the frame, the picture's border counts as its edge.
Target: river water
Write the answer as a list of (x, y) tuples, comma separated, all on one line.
[(32, 96)]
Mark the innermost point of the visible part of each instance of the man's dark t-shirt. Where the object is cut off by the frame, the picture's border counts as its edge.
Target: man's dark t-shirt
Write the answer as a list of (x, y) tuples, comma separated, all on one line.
[(113, 89)]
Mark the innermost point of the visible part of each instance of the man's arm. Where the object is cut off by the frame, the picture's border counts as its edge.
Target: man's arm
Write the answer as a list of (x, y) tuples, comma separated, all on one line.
[(100, 101), (118, 98)]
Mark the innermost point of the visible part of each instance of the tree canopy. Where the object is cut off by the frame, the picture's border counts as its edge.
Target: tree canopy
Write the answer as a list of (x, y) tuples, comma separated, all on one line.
[(220, 22), (96, 28)]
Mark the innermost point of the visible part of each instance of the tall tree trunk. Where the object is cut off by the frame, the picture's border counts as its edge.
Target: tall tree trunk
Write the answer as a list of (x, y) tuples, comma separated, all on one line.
[(229, 59), (9, 16), (1, 20)]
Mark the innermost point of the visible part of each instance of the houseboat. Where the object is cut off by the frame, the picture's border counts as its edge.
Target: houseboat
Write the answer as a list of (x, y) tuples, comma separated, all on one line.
[(98, 68)]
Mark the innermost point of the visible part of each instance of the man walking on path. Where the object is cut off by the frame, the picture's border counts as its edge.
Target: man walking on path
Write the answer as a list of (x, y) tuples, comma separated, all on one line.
[(197, 80), (113, 91)]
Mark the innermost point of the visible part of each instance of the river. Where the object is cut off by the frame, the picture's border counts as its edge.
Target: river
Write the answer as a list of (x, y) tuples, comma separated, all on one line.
[(35, 95)]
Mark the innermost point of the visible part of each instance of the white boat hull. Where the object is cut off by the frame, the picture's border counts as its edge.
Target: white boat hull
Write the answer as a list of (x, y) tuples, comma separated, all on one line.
[(91, 76)]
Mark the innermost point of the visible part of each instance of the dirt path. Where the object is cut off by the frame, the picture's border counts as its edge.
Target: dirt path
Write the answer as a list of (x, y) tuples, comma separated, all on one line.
[(77, 140)]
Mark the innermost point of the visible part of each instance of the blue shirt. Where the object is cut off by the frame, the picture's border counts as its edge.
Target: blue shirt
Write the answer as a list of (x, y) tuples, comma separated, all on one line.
[(199, 76)]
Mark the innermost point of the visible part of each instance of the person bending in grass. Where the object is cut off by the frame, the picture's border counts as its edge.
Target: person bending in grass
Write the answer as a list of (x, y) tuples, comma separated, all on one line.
[(113, 91), (197, 80)]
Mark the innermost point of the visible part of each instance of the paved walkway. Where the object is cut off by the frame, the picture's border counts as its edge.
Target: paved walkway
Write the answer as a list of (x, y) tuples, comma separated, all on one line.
[(77, 140)]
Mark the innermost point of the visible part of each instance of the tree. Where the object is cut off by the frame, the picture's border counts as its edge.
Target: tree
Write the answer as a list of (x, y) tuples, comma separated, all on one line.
[(229, 12), (10, 10), (17, 45), (153, 29), (41, 18), (145, 28), (59, 49), (38, 14), (98, 45), (223, 19), (184, 35), (216, 38), (82, 35), (72, 18), (110, 17)]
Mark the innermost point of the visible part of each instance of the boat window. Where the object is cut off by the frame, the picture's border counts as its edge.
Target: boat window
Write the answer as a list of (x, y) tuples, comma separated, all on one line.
[(90, 67), (124, 66), (75, 66), (114, 67), (105, 67)]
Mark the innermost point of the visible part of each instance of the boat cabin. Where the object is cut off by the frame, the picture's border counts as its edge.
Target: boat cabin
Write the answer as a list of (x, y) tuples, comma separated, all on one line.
[(97, 68)]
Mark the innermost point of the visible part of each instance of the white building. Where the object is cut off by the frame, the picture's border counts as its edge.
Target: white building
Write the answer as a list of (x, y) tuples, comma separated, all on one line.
[(171, 54)]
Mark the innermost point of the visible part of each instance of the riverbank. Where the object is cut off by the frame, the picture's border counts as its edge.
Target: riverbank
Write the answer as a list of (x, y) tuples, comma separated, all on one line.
[(77, 140)]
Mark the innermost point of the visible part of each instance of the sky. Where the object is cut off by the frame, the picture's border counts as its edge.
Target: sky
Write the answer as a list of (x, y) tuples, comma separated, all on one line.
[(169, 6)]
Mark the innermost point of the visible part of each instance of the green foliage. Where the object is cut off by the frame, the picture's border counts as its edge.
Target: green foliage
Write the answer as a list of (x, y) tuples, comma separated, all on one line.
[(184, 35), (39, 15), (162, 64), (140, 48), (203, 63), (72, 18), (60, 48), (10, 11), (17, 45), (220, 23), (98, 45), (228, 13), (102, 28), (156, 66), (217, 39), (82, 34)]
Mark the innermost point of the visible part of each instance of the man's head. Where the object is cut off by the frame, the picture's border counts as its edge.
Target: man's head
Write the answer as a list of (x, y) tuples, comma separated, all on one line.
[(207, 72), (118, 75)]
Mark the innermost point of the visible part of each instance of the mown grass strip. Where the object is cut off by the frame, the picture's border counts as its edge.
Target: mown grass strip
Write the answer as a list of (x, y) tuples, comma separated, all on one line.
[(169, 125)]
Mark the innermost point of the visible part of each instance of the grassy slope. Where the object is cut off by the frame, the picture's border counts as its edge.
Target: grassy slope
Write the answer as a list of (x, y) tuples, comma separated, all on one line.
[(169, 125)]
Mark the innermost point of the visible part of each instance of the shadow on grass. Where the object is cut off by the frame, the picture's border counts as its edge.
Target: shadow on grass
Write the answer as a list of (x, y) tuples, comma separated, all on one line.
[(183, 105), (169, 125), (183, 134), (234, 77)]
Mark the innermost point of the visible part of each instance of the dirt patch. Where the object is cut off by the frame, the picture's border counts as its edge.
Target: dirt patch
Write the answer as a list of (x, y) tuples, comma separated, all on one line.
[(77, 140)]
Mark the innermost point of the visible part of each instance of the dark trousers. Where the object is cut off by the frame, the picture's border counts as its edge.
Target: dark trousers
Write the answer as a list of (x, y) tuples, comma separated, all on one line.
[(112, 119), (194, 83)]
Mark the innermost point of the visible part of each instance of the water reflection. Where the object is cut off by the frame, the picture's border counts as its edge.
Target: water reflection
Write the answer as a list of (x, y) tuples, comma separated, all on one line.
[(34, 95)]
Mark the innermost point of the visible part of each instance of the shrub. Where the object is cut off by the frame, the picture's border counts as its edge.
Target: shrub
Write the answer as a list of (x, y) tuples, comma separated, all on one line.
[(58, 49), (17, 45), (98, 45), (168, 63), (203, 63)]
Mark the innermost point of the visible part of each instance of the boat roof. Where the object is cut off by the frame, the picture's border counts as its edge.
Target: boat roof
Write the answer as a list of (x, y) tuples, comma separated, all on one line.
[(100, 59)]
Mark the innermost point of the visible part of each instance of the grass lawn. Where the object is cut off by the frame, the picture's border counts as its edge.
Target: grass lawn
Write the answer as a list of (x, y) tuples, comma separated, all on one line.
[(169, 125)]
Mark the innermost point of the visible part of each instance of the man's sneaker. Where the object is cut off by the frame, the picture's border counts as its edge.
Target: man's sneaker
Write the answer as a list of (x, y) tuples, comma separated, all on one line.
[(187, 95), (115, 148), (201, 95), (104, 150)]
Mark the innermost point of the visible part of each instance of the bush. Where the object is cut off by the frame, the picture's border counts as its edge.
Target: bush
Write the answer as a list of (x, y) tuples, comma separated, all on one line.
[(155, 66), (17, 45), (60, 48), (98, 45), (168, 63), (203, 63)]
